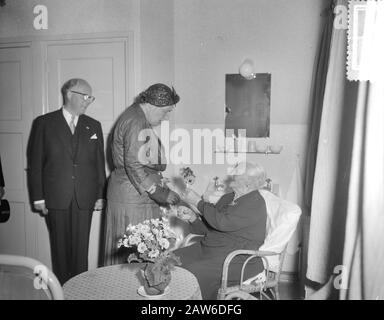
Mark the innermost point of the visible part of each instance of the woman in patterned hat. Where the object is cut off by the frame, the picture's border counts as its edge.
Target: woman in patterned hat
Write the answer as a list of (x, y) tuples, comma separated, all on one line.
[(135, 189)]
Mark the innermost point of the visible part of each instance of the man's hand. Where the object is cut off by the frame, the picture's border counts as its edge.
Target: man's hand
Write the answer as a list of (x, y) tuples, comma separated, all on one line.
[(99, 205), (2, 191), (41, 207), (190, 196)]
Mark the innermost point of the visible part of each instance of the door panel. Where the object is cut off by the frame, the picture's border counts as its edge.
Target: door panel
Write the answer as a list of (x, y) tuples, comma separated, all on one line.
[(15, 123), (102, 64), (10, 88)]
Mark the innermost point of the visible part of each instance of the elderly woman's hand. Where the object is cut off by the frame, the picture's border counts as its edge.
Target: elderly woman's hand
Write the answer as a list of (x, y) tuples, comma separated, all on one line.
[(190, 196), (211, 188), (186, 214)]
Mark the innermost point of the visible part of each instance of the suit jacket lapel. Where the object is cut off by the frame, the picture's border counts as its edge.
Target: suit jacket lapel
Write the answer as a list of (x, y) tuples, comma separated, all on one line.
[(64, 132)]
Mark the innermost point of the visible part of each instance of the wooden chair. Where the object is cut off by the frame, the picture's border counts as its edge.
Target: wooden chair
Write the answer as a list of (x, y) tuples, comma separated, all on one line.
[(23, 278), (282, 220), (264, 285)]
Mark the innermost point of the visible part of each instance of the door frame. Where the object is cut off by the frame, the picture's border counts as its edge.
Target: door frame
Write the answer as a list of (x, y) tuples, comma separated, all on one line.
[(40, 44)]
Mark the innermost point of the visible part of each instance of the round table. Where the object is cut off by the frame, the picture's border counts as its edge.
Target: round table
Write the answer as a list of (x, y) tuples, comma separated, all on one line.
[(121, 282)]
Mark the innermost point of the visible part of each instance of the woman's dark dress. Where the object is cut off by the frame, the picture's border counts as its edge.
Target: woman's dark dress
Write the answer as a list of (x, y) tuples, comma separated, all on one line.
[(227, 226)]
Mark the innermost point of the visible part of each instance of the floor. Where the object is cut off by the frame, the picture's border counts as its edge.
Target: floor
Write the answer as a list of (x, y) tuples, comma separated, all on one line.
[(290, 290)]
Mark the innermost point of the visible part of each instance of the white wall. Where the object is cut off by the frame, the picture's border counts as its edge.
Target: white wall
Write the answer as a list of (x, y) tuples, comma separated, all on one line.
[(157, 42), (69, 17), (150, 20), (193, 44), (212, 38)]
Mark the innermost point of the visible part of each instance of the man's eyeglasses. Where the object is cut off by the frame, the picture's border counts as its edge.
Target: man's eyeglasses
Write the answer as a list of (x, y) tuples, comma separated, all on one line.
[(86, 97)]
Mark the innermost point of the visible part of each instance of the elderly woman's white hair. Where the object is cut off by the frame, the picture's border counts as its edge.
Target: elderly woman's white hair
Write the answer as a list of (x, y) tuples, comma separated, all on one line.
[(253, 174)]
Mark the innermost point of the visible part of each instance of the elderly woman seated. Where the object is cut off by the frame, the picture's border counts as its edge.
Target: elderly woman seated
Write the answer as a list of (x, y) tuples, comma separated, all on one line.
[(236, 221)]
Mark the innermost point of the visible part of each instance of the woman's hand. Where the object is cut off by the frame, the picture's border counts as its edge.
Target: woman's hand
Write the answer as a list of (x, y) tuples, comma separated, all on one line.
[(211, 188), (190, 196), (186, 214), (172, 198), (163, 195)]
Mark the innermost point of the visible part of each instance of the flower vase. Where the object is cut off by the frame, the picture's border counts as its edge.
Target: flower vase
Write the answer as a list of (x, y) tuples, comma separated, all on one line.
[(155, 279)]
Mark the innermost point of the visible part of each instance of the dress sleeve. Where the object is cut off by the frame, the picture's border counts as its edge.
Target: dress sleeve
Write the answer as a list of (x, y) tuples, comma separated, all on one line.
[(136, 147), (198, 227), (223, 216)]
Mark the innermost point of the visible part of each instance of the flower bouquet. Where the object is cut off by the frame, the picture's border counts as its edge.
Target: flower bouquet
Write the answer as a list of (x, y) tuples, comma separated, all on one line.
[(188, 176), (151, 241)]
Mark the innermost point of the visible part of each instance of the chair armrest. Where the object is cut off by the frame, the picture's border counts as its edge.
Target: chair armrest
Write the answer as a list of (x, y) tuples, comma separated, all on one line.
[(262, 253), (240, 295), (42, 272), (252, 254)]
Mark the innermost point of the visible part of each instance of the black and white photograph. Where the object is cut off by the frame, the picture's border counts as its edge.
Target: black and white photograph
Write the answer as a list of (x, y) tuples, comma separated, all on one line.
[(191, 150)]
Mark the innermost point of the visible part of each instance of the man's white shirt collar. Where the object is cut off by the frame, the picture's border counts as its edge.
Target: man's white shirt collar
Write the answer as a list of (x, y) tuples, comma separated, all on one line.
[(68, 116)]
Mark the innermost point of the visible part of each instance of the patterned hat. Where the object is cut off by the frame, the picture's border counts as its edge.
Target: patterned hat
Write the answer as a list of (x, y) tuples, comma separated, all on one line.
[(159, 95)]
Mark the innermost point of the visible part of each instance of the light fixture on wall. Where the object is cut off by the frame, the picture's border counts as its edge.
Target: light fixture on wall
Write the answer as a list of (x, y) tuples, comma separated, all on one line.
[(246, 70)]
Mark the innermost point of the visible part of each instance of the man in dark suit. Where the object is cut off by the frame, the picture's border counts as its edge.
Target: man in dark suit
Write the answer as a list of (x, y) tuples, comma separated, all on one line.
[(67, 176)]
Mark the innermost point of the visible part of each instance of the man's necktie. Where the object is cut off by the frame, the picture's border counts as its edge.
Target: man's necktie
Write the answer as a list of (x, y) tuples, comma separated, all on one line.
[(72, 124)]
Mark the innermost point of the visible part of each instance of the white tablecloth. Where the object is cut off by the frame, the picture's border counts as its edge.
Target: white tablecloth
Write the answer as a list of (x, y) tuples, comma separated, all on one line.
[(120, 282)]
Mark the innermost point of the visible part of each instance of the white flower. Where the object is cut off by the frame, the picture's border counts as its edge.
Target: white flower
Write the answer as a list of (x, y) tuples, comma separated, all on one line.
[(148, 236), (159, 235), (153, 253), (134, 240), (145, 229), (164, 243), (142, 248)]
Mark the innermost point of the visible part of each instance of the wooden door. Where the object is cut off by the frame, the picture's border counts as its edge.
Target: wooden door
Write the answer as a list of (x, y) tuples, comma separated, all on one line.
[(16, 112)]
